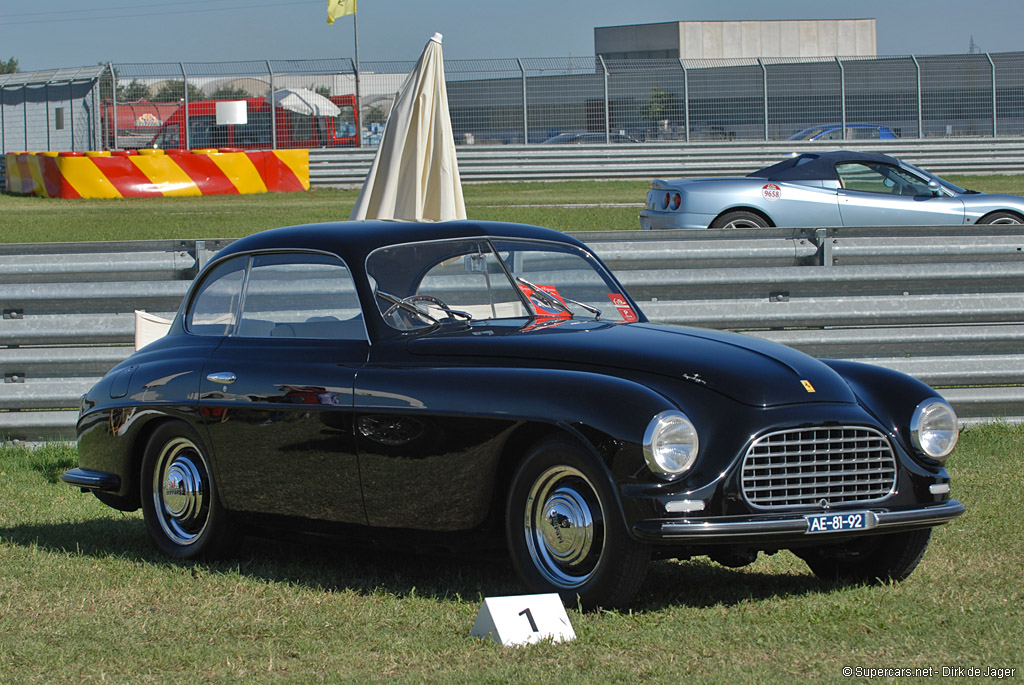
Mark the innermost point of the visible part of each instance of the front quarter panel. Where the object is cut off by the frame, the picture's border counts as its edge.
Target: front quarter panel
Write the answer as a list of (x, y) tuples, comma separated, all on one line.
[(978, 205), (466, 415), (889, 395)]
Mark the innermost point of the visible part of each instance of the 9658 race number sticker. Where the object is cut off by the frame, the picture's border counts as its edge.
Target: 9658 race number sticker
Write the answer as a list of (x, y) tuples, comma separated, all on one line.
[(771, 192)]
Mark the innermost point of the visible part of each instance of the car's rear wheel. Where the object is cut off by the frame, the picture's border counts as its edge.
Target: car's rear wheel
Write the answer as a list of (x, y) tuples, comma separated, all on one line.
[(1001, 218), (871, 559), (739, 219), (565, 533), (179, 499)]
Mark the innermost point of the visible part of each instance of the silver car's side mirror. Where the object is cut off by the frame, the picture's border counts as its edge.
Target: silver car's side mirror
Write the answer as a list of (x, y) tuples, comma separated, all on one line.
[(935, 187)]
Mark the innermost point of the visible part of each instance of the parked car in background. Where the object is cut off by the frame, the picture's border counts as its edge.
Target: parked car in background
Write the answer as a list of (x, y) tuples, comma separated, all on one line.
[(588, 139), (825, 189), (492, 385), (853, 132)]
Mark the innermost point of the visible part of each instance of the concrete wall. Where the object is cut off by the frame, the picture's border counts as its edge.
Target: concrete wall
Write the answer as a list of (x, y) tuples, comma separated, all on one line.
[(730, 39)]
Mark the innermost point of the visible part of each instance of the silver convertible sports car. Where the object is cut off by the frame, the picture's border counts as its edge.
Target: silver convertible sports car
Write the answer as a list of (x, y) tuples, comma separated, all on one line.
[(825, 189)]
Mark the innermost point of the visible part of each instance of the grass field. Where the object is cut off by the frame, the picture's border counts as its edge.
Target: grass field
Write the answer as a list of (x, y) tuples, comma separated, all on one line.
[(567, 206), (83, 597), (31, 219)]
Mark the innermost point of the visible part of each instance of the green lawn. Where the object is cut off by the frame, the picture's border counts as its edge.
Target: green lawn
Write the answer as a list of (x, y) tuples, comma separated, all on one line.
[(32, 219), (83, 597)]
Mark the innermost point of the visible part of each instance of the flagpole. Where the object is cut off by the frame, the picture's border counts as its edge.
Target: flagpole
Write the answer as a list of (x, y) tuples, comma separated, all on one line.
[(359, 108)]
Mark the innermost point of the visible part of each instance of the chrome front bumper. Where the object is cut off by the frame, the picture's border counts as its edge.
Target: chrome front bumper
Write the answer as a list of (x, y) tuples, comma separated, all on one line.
[(789, 527)]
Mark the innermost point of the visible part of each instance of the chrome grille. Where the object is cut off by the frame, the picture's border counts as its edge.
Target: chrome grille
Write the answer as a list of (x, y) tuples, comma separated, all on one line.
[(802, 467)]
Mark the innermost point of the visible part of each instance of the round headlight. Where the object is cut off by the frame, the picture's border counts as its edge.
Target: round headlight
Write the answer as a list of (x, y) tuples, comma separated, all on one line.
[(934, 429), (670, 444)]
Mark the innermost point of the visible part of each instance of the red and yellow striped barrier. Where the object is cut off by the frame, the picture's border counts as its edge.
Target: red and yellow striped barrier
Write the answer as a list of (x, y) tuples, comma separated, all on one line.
[(156, 173)]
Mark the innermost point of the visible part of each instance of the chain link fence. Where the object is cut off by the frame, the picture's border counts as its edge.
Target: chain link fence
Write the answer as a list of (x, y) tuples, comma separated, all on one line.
[(312, 103)]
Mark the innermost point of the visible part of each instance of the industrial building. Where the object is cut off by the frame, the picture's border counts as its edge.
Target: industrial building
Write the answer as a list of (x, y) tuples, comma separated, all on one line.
[(738, 39)]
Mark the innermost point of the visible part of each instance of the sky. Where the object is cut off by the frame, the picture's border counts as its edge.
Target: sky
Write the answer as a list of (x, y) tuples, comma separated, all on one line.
[(71, 33)]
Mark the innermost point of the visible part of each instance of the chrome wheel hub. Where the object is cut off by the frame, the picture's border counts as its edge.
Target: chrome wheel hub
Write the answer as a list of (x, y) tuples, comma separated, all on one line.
[(564, 526), (567, 526), (180, 491)]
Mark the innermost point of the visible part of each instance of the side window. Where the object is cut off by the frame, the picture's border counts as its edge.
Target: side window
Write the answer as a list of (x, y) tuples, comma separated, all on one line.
[(856, 176), (301, 296), (880, 178), (869, 132), (213, 309)]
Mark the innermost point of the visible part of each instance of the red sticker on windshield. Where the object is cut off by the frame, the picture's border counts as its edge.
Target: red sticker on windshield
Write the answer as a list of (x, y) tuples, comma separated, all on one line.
[(625, 311), (543, 307)]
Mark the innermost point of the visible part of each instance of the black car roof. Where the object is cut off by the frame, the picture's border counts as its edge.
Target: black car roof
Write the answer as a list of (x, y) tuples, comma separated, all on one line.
[(356, 239), (817, 165)]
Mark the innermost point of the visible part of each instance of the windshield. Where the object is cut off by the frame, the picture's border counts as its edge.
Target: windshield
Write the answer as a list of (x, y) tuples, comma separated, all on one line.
[(419, 285), (952, 186)]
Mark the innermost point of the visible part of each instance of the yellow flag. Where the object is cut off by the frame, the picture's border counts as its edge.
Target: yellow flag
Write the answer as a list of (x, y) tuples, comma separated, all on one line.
[(339, 8)]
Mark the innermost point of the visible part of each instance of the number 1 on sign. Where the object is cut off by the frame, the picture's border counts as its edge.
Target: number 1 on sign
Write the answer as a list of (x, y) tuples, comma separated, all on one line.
[(529, 617)]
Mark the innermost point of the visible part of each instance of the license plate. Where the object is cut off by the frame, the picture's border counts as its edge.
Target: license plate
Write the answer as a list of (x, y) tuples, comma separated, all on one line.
[(839, 522)]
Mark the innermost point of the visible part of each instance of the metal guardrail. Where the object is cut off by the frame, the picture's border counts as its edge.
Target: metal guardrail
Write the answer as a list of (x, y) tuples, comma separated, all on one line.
[(673, 160), (945, 304)]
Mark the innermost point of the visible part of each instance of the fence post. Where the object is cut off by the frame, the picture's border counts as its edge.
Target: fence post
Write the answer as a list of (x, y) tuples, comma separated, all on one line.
[(71, 113), (46, 96), (842, 96), (686, 99), (526, 122), (96, 130), (995, 117), (184, 82), (3, 130), (824, 240), (273, 111), (764, 92), (607, 105), (920, 117), (113, 99)]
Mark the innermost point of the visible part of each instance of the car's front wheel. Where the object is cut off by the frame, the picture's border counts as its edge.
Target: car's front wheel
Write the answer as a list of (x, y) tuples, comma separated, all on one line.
[(870, 559), (739, 219), (565, 533), (179, 499)]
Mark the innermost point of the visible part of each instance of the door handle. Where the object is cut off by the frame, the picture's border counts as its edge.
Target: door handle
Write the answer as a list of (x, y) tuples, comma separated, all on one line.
[(222, 378)]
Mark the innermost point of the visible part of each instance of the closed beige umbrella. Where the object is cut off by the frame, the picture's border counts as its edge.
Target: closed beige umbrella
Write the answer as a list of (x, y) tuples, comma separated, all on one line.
[(415, 175)]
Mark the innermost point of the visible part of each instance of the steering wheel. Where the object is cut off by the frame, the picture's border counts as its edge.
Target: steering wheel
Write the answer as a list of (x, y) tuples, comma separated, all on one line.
[(394, 309)]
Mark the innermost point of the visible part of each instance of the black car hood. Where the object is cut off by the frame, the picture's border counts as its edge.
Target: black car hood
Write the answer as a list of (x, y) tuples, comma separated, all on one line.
[(748, 370)]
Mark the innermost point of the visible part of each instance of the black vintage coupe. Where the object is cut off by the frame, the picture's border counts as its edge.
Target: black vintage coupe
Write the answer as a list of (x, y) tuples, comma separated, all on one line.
[(493, 384)]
